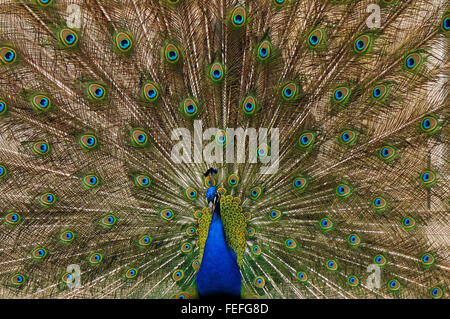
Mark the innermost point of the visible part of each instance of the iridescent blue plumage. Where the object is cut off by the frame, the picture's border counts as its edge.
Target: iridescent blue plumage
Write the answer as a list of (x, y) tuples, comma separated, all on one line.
[(219, 273)]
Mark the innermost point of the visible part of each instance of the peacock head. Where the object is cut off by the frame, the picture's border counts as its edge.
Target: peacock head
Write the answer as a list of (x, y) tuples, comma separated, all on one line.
[(211, 193)]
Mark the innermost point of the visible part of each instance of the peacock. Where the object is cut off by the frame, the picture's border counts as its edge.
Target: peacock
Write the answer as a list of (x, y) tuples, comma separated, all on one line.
[(250, 149)]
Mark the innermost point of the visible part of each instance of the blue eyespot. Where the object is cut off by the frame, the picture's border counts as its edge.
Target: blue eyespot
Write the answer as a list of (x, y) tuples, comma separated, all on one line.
[(9, 56), (216, 74), (385, 152), (338, 95), (345, 137), (360, 44), (125, 43), (426, 177), (151, 93), (90, 141), (50, 198), (263, 52), (70, 38), (288, 92), (352, 238), (190, 108), (305, 140), (341, 189), (44, 102), (2, 106), (141, 138), (377, 202), (172, 55), (98, 92), (331, 264), (410, 62), (446, 23), (313, 39), (248, 107), (407, 221), (324, 223), (426, 124), (376, 92), (238, 19)]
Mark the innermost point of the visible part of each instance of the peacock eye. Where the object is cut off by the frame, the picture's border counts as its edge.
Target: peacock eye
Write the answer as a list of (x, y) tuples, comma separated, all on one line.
[(108, 221), (13, 218), (256, 250), (343, 190), (326, 224), (3, 107), (167, 214), (189, 107), (87, 141), (341, 95), (427, 260), (352, 281), (436, 292), (18, 280), (290, 243), (39, 253), (353, 240), (41, 102), (144, 240), (379, 92), (264, 50), (393, 285), (216, 72), (47, 199), (299, 183), (315, 38), (306, 140), (388, 153), (7, 55), (379, 204), (44, 3), (331, 265), (90, 181), (380, 260), (123, 42), (428, 178), (413, 61), (289, 91), (178, 274), (255, 192), (429, 124), (150, 92), (67, 236), (348, 137), (363, 43), (445, 23), (238, 17), (96, 91), (233, 180), (191, 193), (131, 273), (171, 53), (68, 38), (139, 137), (274, 214), (186, 247), (259, 282), (249, 105)]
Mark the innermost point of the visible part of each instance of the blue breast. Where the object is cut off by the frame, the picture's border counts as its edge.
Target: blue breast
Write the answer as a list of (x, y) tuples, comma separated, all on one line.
[(219, 273)]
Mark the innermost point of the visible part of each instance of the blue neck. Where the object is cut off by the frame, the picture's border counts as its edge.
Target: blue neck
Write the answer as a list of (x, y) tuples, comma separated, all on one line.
[(219, 273)]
